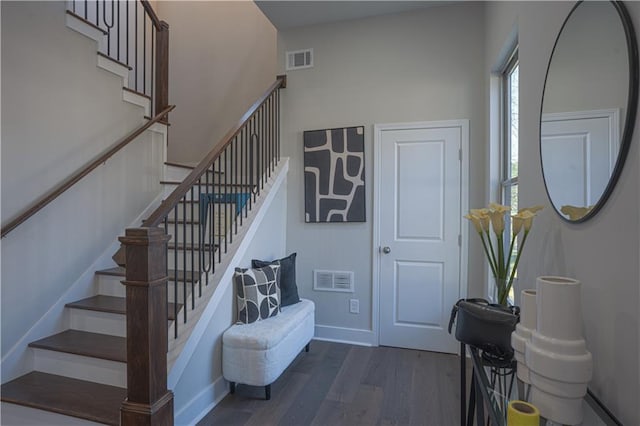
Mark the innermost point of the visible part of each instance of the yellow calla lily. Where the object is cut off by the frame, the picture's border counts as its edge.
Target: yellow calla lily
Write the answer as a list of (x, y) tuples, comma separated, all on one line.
[(533, 209), (499, 208), (523, 218), (476, 222), (497, 221), (574, 212)]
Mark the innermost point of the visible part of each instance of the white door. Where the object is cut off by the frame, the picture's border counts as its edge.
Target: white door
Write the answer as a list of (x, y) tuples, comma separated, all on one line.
[(579, 150), (419, 232)]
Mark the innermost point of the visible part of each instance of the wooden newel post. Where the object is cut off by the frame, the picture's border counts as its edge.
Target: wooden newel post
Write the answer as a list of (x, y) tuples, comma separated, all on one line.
[(162, 68), (148, 400)]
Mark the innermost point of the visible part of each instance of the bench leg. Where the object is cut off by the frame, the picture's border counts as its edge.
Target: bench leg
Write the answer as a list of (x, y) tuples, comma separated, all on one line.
[(232, 387), (306, 348), (267, 392)]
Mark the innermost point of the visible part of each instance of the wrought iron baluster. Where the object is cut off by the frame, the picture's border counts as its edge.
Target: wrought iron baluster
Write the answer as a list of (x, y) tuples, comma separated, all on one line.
[(227, 213), (144, 53), (221, 198), (175, 270), (135, 50), (192, 250), (184, 252), (109, 26)]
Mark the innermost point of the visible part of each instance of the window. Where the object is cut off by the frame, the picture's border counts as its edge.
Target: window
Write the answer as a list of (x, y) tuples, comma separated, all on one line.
[(509, 142)]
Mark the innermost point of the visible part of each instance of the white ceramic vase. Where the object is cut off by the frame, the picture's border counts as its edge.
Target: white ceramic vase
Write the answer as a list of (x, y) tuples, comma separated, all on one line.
[(560, 366), (522, 333)]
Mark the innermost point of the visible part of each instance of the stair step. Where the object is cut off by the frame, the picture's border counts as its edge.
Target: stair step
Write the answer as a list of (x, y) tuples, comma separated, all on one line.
[(186, 166), (182, 275), (189, 247), (111, 304), (232, 185), (103, 346), (63, 395)]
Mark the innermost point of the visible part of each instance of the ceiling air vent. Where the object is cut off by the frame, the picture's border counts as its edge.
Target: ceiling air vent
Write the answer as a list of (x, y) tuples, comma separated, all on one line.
[(333, 281), (299, 59)]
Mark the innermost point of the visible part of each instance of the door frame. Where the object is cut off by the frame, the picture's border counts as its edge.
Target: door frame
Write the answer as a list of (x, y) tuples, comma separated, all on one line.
[(378, 129)]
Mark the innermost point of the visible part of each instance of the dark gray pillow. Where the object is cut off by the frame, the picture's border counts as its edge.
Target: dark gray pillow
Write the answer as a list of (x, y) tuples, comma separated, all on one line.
[(257, 293), (288, 286)]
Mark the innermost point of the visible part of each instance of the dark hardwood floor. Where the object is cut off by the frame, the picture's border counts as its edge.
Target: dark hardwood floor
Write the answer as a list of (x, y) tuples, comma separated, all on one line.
[(338, 384)]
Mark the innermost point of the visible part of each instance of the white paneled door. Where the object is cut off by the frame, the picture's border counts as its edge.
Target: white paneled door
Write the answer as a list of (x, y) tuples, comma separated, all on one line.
[(420, 188)]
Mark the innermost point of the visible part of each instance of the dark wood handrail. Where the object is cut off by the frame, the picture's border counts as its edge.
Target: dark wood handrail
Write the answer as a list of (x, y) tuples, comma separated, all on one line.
[(174, 198), (152, 14), (56, 192)]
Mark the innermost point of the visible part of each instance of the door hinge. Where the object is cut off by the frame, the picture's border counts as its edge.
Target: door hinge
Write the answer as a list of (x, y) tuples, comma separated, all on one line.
[(460, 154), (459, 240)]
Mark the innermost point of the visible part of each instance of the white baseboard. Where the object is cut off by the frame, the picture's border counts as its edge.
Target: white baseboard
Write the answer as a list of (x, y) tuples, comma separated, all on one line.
[(353, 336), (203, 403)]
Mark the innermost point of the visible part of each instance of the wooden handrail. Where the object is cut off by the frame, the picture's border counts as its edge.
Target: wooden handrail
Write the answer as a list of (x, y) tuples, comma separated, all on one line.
[(56, 192), (152, 14), (174, 198)]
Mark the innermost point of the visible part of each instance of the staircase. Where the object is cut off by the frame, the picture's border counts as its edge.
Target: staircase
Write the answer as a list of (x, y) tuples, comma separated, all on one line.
[(82, 371), (79, 374)]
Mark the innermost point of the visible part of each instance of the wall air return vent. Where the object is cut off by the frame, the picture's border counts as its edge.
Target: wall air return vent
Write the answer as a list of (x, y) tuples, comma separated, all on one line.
[(333, 281), (299, 59)]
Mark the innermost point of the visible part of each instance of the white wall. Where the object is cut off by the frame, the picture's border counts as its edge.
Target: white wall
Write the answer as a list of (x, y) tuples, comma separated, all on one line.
[(197, 388), (418, 66), (212, 80), (59, 112), (603, 252)]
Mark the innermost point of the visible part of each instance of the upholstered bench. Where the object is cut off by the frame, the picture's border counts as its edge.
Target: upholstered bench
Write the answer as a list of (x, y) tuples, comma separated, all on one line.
[(257, 353)]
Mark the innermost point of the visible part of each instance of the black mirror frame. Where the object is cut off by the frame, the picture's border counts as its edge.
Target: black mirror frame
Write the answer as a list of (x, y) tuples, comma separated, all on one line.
[(632, 107)]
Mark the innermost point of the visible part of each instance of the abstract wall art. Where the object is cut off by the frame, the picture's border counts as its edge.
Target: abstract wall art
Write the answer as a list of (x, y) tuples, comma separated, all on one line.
[(334, 175)]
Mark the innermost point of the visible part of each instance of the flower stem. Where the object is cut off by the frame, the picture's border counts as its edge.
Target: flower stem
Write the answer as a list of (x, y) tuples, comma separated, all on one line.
[(490, 257), (515, 265)]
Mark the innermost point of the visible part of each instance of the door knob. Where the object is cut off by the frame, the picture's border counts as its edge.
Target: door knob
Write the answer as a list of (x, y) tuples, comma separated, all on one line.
[(386, 250)]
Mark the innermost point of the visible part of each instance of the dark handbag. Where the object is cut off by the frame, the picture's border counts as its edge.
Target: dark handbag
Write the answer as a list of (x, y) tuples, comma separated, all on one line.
[(485, 325)]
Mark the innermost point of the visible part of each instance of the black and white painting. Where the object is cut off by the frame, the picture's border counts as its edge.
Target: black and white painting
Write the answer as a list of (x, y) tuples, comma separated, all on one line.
[(334, 175)]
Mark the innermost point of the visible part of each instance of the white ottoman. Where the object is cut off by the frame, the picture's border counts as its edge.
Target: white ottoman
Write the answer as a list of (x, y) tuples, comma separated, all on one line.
[(257, 353)]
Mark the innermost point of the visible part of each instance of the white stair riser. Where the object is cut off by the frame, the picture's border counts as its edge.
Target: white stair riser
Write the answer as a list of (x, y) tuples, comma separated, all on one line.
[(110, 286), (19, 415), (98, 322), (81, 367)]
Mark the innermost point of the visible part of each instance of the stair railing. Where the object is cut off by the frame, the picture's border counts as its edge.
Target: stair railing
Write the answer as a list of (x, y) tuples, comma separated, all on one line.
[(136, 38), (198, 221), (47, 198)]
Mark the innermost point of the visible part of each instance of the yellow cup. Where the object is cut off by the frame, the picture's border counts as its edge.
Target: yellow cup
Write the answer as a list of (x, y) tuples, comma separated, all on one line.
[(521, 413)]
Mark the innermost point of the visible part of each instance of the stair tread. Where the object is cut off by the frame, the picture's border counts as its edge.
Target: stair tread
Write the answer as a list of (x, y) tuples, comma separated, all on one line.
[(176, 182), (187, 166), (72, 397), (119, 271), (111, 304), (187, 246), (95, 345)]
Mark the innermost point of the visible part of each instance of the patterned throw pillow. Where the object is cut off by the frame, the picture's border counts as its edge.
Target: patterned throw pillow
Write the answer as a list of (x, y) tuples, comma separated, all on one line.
[(288, 285), (258, 293)]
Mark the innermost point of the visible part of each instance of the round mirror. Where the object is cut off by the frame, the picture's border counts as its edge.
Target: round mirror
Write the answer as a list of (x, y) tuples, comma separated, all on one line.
[(589, 108)]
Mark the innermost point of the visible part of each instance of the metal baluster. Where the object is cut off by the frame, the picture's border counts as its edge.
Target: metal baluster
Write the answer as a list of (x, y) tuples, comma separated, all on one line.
[(98, 11), (118, 31), (184, 252), (135, 52), (175, 270), (127, 34), (206, 266), (277, 123), (222, 199), (166, 267), (192, 250), (109, 27), (201, 246), (235, 182), (242, 157), (144, 53), (227, 212), (153, 84), (212, 253)]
